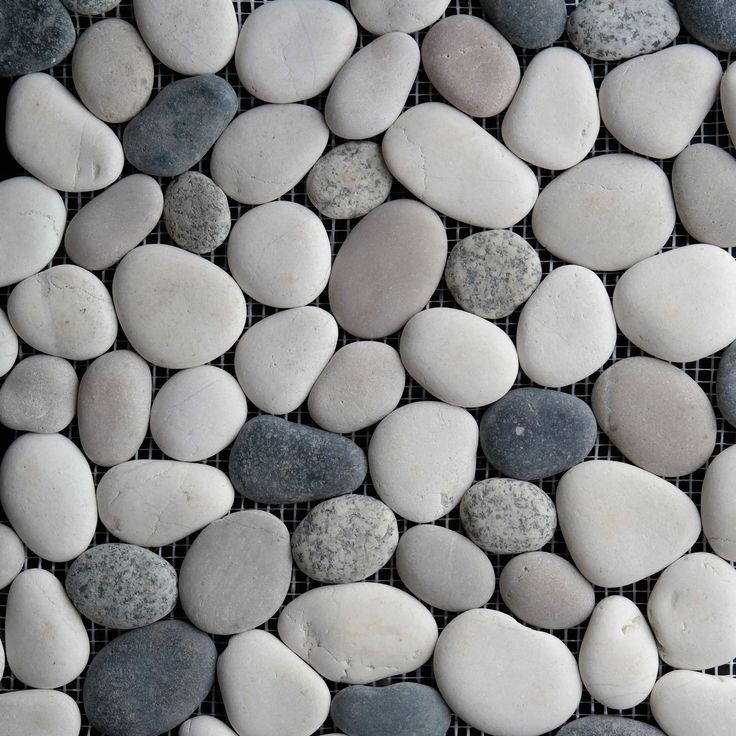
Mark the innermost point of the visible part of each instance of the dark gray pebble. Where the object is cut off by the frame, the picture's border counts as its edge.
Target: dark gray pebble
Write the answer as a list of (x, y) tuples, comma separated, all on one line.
[(531, 24), (726, 384), (608, 726), (712, 22), (91, 7)]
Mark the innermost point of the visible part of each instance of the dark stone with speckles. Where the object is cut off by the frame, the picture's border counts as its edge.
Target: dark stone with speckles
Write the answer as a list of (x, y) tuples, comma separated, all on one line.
[(404, 709), (712, 22), (531, 24), (150, 680), (608, 726), (726, 384), (277, 461), (611, 31), (34, 35), (121, 586), (91, 7), (180, 125), (533, 433)]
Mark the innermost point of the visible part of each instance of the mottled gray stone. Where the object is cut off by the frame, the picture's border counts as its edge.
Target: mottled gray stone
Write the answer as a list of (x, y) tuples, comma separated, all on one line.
[(533, 433), (345, 539), (196, 212), (121, 586), (277, 461), (149, 680), (180, 125), (531, 24), (492, 273), (608, 726), (726, 384), (403, 709), (349, 180), (91, 7), (507, 516), (712, 22)]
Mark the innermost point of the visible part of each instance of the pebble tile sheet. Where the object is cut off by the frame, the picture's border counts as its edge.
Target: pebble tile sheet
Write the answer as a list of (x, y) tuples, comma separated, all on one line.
[(704, 371)]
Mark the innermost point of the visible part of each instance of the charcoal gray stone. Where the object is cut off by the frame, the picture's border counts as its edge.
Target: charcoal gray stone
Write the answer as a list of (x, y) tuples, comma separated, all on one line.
[(403, 709), (533, 433), (726, 384), (180, 125), (121, 586), (712, 22), (277, 461), (608, 726), (91, 7), (149, 680), (531, 24)]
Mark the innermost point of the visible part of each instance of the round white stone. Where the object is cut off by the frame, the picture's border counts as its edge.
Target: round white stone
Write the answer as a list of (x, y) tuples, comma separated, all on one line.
[(384, 16), (321, 624), (205, 726), (566, 329), (422, 459), (718, 504), (728, 99), (8, 344), (39, 712), (458, 357), (12, 558)]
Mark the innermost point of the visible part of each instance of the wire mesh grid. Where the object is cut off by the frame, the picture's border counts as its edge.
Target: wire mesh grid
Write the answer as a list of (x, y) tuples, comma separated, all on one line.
[(713, 130)]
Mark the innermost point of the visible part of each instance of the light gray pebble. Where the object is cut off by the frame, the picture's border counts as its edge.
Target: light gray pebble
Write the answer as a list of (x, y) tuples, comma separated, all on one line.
[(91, 7), (12, 559)]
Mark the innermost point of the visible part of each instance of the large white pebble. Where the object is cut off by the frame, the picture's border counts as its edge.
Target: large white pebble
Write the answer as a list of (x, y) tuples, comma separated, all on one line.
[(54, 137), (267, 690), (177, 309), (280, 254), (384, 16), (8, 344), (40, 713), (33, 217), (622, 524), (654, 104), (452, 164), (327, 628), (205, 726), (422, 459), (48, 494), (618, 656), (179, 498), (553, 120), (279, 359), (718, 504), (46, 641), (679, 305), (458, 357), (291, 50), (12, 558), (728, 99), (504, 678), (566, 330), (606, 213)]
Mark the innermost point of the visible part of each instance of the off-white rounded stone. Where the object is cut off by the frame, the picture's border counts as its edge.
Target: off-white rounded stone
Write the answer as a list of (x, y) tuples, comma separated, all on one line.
[(8, 344), (12, 558), (728, 99), (205, 726), (39, 712), (718, 504), (384, 16)]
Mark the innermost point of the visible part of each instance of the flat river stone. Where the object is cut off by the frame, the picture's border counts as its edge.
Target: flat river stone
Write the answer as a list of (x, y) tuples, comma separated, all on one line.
[(608, 726), (712, 22), (40, 712), (8, 344), (12, 556), (718, 505), (385, 16)]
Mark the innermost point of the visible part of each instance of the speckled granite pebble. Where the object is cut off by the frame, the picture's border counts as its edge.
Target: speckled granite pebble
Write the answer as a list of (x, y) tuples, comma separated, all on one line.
[(91, 7), (12, 557), (608, 726), (726, 384), (531, 24), (712, 22)]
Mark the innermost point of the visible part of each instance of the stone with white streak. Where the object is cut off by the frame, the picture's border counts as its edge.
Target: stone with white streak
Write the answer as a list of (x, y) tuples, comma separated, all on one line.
[(718, 504), (385, 16), (39, 712)]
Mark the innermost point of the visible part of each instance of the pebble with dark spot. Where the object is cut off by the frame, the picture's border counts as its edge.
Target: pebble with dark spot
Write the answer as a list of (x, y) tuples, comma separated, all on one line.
[(91, 7), (726, 384), (712, 22), (531, 24), (608, 726)]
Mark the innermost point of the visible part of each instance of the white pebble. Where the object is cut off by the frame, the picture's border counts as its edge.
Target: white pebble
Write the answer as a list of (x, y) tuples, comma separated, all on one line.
[(205, 726), (8, 345), (718, 504), (39, 713), (384, 16), (12, 558)]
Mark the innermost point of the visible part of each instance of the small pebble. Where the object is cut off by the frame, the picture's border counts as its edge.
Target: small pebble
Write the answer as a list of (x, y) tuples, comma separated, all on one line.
[(712, 22), (204, 726), (609, 726), (718, 504), (8, 345), (12, 558), (384, 16), (91, 7), (728, 99), (39, 712), (726, 385), (531, 24)]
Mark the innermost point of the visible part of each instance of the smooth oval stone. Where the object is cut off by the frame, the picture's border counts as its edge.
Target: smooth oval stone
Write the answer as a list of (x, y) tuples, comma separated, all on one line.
[(531, 24), (47, 493), (422, 459), (177, 310), (384, 16), (712, 22), (267, 151), (91, 7), (726, 384), (618, 655), (56, 139), (30, 235), (349, 180), (190, 38), (45, 639), (370, 90), (728, 99), (622, 524), (444, 568), (362, 383), (531, 433), (290, 51), (457, 54), (197, 412), (718, 505), (8, 344), (345, 539), (39, 395), (555, 347), (180, 498), (236, 574), (502, 677), (393, 710), (546, 591), (613, 31), (12, 557), (267, 689), (607, 213), (205, 726), (34, 35), (149, 680), (114, 222), (114, 407), (692, 311), (180, 125), (608, 726), (691, 610), (387, 269), (280, 254), (112, 70), (656, 415), (196, 212), (279, 359), (453, 165), (40, 712), (654, 104), (320, 627), (458, 357), (275, 461)]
